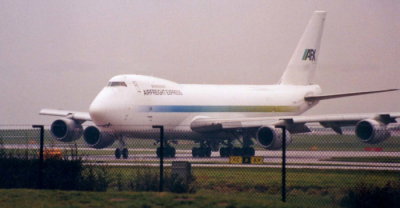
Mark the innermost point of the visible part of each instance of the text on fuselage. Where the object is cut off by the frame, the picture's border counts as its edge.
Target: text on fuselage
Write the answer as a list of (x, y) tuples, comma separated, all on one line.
[(162, 92)]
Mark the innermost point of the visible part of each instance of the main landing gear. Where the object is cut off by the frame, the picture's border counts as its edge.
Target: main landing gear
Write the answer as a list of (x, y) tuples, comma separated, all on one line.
[(237, 151), (246, 150), (122, 150), (203, 151), (169, 151)]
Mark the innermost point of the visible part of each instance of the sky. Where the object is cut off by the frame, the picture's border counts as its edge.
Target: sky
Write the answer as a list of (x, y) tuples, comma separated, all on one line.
[(60, 54)]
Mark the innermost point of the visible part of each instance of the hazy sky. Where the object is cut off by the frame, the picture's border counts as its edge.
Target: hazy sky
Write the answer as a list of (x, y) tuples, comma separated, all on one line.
[(59, 54)]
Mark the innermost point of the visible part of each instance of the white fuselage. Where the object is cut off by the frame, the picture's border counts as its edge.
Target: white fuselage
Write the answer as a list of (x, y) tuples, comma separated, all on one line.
[(132, 102)]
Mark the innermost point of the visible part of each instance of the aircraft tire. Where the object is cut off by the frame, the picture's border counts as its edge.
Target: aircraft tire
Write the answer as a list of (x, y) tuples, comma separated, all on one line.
[(222, 152), (125, 153), (195, 152), (248, 151), (117, 153), (201, 152), (158, 152), (237, 151), (207, 152), (225, 152), (171, 151), (168, 152)]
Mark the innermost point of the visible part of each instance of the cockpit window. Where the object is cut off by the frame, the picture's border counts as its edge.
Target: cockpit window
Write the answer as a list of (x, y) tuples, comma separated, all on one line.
[(117, 84)]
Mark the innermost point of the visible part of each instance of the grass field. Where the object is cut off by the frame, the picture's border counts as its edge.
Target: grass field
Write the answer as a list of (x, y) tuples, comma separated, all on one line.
[(67, 199), (216, 187), (260, 180)]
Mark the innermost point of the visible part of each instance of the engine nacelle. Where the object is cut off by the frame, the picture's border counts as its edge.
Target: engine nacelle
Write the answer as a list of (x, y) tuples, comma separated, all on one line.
[(66, 130), (97, 139), (372, 131), (271, 138)]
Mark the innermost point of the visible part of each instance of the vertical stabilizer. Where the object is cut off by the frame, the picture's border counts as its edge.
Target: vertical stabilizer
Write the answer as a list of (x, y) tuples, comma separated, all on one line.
[(303, 63)]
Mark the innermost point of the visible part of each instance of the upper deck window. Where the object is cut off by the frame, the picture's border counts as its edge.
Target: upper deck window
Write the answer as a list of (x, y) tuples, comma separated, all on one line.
[(117, 84)]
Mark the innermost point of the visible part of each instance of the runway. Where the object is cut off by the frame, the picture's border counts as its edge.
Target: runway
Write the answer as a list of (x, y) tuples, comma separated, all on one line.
[(272, 159)]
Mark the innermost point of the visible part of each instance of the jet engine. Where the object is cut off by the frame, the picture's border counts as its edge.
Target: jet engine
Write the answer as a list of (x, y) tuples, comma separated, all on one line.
[(66, 130), (372, 131), (271, 138), (97, 139)]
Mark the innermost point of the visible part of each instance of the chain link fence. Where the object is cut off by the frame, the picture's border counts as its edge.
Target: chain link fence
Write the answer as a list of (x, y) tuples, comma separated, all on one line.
[(322, 167)]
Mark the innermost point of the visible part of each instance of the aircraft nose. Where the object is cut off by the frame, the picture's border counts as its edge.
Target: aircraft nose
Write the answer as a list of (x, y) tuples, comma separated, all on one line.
[(103, 109), (99, 112)]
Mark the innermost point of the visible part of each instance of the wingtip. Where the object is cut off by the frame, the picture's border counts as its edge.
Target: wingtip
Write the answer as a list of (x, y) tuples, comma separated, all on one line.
[(390, 90)]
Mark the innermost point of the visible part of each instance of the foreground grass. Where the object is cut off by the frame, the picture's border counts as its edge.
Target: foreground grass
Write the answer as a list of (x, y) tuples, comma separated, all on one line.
[(269, 179), (216, 187), (45, 198)]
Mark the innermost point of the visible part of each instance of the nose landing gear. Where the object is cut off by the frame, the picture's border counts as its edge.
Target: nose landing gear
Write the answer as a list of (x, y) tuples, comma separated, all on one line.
[(122, 150)]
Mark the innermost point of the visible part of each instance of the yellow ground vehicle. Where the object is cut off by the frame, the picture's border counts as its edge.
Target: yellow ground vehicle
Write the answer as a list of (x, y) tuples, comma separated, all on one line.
[(54, 153)]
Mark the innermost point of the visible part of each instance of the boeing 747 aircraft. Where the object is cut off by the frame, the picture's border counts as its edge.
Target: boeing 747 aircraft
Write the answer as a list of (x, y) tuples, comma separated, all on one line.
[(216, 115)]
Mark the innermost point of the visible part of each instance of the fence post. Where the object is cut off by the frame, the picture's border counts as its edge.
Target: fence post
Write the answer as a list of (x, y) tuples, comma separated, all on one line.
[(283, 163), (161, 157), (40, 174)]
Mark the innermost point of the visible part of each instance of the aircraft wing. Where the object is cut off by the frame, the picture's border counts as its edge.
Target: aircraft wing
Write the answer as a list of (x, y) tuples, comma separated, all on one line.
[(294, 124), (74, 115)]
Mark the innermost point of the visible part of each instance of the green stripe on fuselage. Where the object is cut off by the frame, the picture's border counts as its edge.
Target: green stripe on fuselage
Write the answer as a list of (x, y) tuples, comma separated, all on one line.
[(215, 109)]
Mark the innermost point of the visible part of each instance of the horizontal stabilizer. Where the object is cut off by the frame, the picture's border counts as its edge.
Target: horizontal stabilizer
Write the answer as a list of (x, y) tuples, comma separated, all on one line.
[(325, 97)]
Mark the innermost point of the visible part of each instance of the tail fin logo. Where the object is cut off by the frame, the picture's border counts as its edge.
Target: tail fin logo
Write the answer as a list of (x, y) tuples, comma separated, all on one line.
[(309, 54)]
